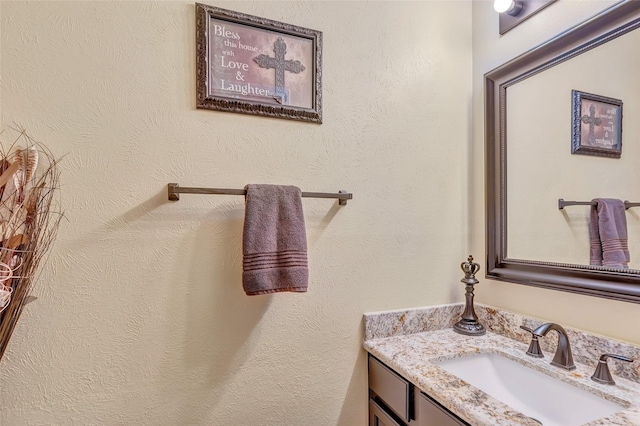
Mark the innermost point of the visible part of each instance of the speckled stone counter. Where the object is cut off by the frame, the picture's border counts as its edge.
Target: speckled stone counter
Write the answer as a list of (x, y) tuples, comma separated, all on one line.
[(409, 341)]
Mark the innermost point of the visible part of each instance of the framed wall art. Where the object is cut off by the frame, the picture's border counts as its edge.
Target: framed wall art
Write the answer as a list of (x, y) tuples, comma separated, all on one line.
[(596, 125), (253, 65)]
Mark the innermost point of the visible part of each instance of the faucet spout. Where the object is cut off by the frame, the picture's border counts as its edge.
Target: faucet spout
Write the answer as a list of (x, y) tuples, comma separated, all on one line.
[(563, 357)]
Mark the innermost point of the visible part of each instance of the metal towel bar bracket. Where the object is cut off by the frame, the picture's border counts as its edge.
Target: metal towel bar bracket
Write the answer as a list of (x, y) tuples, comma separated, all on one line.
[(174, 190), (562, 204)]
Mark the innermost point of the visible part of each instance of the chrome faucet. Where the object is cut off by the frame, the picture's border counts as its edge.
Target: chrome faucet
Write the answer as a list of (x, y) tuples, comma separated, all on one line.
[(563, 357)]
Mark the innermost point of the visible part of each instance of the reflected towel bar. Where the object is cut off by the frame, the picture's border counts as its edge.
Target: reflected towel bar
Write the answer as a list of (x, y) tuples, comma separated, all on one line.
[(174, 190), (562, 204)]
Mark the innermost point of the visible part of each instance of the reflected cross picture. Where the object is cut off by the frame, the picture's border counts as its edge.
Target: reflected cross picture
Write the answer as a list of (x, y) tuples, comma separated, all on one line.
[(597, 125)]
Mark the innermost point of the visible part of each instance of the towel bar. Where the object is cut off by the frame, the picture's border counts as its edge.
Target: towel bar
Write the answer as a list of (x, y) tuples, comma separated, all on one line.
[(562, 204), (174, 190)]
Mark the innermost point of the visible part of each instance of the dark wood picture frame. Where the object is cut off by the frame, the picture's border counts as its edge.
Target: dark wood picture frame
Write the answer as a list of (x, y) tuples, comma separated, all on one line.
[(252, 65), (596, 125)]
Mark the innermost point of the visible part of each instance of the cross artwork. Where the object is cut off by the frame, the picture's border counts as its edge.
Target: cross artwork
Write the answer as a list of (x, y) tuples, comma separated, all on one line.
[(281, 65), (592, 121)]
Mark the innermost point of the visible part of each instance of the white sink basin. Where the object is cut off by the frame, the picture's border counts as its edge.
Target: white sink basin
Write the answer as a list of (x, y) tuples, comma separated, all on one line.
[(543, 398)]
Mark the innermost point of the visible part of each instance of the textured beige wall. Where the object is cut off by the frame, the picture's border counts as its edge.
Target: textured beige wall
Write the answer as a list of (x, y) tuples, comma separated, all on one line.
[(140, 317), (598, 315)]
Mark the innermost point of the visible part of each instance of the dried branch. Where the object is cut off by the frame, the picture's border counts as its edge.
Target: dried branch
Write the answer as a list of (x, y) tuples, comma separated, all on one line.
[(29, 220)]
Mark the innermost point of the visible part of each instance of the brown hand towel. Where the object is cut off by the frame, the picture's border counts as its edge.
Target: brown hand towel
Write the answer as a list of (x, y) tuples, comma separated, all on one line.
[(608, 234), (274, 245)]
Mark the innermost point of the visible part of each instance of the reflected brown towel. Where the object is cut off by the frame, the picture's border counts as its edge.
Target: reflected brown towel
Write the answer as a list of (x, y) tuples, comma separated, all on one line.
[(608, 234), (274, 245)]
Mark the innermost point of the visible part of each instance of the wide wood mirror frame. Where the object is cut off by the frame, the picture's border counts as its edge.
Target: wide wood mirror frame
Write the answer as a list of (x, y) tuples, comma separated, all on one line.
[(619, 284)]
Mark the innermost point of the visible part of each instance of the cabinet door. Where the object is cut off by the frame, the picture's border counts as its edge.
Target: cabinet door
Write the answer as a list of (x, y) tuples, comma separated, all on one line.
[(378, 417), (394, 390), (430, 413)]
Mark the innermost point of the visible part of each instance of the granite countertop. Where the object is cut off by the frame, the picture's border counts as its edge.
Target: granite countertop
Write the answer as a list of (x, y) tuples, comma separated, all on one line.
[(396, 339)]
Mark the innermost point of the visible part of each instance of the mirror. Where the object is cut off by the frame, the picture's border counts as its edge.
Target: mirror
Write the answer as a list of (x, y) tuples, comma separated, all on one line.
[(530, 165)]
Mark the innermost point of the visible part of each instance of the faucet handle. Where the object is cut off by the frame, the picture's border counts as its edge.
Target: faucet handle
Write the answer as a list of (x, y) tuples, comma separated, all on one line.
[(525, 328), (602, 373), (534, 347)]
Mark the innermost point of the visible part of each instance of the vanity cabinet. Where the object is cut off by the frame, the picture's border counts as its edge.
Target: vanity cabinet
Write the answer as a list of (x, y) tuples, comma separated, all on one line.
[(394, 401), (378, 416), (430, 413), (392, 392)]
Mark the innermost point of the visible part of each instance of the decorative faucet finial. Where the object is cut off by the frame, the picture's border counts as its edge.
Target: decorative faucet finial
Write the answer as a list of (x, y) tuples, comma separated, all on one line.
[(469, 324)]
